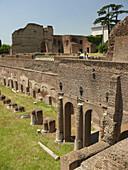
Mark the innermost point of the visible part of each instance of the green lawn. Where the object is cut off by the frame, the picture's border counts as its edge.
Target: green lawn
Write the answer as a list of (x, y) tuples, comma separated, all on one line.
[(18, 139), (96, 54)]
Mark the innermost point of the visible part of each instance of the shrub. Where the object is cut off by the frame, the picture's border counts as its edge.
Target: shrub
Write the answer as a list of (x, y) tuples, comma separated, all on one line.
[(103, 47), (4, 49)]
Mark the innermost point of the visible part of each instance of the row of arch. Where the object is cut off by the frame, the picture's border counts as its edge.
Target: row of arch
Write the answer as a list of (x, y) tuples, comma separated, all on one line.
[(86, 135), (35, 93)]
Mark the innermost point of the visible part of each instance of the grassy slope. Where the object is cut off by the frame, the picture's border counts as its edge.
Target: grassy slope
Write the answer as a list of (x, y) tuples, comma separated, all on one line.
[(18, 140)]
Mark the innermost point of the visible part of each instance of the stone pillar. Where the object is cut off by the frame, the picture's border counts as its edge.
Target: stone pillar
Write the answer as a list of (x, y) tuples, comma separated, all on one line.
[(45, 126), (59, 132), (79, 127), (33, 119)]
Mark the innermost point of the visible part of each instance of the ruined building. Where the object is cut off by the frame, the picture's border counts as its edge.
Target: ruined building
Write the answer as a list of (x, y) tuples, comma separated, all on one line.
[(86, 93), (35, 38)]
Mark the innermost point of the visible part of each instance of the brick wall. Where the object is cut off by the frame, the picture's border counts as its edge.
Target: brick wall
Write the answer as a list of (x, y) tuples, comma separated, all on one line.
[(38, 65), (94, 77)]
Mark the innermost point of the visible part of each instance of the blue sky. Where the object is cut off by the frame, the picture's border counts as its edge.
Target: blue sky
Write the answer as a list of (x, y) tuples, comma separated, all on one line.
[(66, 16)]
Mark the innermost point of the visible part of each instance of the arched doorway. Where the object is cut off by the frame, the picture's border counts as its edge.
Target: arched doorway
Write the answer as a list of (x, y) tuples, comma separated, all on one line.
[(50, 100), (16, 85), (4, 82), (11, 84), (87, 128), (69, 120), (34, 94), (90, 134), (43, 47), (22, 88), (123, 135)]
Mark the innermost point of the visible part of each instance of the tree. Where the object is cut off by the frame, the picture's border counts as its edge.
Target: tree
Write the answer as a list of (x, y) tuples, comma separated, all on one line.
[(110, 18), (4, 49), (0, 43), (102, 47)]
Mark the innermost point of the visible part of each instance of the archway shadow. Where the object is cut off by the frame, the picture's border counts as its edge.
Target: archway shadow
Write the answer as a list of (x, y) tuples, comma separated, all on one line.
[(94, 138)]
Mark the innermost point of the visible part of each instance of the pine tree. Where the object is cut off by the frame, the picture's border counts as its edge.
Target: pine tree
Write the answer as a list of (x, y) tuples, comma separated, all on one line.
[(109, 15)]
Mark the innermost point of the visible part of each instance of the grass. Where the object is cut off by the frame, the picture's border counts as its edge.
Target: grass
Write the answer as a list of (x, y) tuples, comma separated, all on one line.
[(18, 139), (44, 56), (96, 54)]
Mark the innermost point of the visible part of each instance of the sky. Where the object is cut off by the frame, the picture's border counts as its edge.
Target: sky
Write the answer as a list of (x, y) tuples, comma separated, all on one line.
[(74, 17)]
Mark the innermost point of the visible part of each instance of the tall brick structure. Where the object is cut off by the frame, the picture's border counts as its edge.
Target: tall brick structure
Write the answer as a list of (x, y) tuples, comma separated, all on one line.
[(35, 38), (32, 38)]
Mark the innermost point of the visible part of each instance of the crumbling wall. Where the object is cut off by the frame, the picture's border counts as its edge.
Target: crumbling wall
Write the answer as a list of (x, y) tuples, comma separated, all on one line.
[(118, 42), (38, 65), (114, 158), (44, 85), (29, 39)]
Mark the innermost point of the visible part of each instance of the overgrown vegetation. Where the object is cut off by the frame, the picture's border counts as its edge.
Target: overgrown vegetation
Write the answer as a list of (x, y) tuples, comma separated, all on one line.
[(18, 139), (4, 49), (102, 47), (95, 39)]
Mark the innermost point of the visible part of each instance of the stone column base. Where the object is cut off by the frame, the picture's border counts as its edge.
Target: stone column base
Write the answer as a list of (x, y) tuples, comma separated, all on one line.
[(59, 136), (78, 145)]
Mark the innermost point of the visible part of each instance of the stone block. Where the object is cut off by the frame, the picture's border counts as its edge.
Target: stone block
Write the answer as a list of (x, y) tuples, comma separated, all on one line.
[(45, 126), (6, 101), (19, 109), (50, 123), (37, 117), (12, 105), (2, 97)]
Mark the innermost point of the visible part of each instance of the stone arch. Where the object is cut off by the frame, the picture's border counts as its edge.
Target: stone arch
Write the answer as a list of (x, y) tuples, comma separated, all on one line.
[(91, 137), (44, 46), (21, 88), (87, 128), (16, 85), (68, 111), (4, 81), (23, 85), (50, 100), (34, 94), (10, 83), (97, 112), (37, 88)]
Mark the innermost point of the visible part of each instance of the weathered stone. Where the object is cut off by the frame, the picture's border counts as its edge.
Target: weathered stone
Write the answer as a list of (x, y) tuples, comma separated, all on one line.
[(19, 109), (12, 105), (73, 159), (25, 116), (51, 124), (45, 41), (45, 126), (6, 101), (118, 42), (114, 158), (2, 97), (37, 117)]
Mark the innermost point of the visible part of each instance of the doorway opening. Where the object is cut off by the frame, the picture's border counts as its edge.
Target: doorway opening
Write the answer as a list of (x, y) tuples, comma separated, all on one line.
[(69, 123)]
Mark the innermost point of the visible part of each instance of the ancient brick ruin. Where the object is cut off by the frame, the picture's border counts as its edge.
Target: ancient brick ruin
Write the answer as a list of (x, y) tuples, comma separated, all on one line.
[(35, 38), (86, 93)]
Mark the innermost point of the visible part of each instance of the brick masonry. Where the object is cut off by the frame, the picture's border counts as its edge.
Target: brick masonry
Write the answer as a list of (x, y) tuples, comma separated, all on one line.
[(83, 87)]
